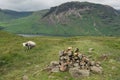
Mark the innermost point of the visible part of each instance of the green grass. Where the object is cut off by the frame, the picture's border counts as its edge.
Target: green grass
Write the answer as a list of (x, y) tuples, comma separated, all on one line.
[(16, 61)]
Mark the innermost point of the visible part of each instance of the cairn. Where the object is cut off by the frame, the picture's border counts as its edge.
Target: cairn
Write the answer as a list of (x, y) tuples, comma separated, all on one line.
[(76, 63)]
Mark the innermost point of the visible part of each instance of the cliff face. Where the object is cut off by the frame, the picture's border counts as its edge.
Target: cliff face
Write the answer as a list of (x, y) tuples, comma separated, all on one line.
[(62, 13)]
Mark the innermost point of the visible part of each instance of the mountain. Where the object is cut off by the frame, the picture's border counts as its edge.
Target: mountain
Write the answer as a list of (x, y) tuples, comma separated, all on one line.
[(119, 11), (69, 19), (6, 15)]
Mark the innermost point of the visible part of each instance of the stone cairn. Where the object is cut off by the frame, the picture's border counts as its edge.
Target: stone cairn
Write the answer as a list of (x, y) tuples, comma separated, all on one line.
[(76, 63)]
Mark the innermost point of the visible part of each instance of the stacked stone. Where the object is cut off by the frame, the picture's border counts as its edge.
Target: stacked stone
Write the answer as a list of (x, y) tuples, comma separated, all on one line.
[(69, 59), (75, 62)]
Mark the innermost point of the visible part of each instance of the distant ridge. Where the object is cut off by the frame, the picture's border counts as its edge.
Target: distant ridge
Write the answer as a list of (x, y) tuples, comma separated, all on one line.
[(6, 15)]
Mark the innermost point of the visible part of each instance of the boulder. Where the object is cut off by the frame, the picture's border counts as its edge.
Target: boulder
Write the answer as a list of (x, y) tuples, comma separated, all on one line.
[(55, 69), (77, 73), (95, 69)]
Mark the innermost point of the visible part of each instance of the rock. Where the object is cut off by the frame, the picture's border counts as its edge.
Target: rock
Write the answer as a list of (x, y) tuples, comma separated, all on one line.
[(70, 53), (76, 50), (92, 63), (76, 54), (61, 53), (69, 48), (48, 68), (104, 56), (63, 67), (98, 62), (90, 50), (54, 63), (80, 56), (55, 69), (25, 77), (52, 67), (76, 64), (97, 65), (82, 63), (77, 73), (96, 69)]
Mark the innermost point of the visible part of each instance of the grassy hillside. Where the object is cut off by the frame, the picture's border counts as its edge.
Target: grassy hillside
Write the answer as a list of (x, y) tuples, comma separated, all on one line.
[(29, 24), (7, 15), (16, 61)]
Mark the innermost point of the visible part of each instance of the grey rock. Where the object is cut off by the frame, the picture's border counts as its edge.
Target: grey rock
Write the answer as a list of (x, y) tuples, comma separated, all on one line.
[(55, 69), (96, 69), (76, 64), (77, 73), (52, 66)]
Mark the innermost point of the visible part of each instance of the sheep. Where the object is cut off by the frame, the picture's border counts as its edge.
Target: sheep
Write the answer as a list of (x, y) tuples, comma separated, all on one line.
[(29, 44)]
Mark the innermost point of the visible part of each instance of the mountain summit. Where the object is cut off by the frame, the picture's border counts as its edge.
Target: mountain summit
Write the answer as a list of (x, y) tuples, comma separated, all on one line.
[(79, 9), (81, 6), (70, 19)]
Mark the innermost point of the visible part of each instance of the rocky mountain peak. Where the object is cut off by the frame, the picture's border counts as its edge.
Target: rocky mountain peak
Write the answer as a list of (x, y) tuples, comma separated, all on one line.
[(81, 6), (63, 12), (69, 6)]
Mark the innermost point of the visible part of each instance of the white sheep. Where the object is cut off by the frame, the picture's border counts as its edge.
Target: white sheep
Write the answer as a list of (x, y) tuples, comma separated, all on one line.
[(29, 44)]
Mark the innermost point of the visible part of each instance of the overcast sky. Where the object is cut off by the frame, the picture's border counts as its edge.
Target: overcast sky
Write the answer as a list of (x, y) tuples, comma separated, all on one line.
[(33, 5)]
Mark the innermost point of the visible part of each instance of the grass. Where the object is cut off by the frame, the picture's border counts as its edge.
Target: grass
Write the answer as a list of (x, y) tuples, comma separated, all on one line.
[(16, 61)]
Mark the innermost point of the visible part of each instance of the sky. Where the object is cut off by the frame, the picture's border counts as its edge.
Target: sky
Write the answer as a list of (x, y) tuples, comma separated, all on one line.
[(33, 5)]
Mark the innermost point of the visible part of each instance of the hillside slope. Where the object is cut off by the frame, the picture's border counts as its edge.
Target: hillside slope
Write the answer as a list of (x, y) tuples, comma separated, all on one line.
[(69, 19), (16, 61), (7, 15)]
